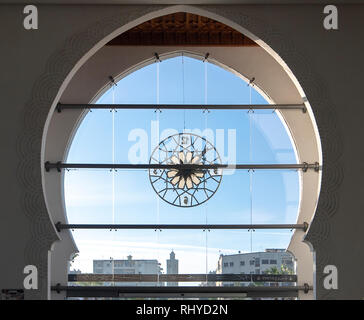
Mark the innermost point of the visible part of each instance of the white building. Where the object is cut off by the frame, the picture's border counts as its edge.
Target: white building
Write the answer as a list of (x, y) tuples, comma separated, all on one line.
[(254, 263), (128, 266)]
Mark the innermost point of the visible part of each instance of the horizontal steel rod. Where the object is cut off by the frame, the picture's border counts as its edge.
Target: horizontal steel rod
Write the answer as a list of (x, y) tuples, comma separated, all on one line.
[(60, 226), (148, 291), (302, 107), (61, 165), (181, 289), (92, 277)]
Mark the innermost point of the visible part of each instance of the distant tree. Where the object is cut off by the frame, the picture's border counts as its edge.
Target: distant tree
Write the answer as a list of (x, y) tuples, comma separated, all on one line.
[(283, 270)]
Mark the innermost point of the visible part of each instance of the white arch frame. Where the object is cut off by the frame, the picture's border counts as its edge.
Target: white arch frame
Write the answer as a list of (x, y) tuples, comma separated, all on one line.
[(48, 128)]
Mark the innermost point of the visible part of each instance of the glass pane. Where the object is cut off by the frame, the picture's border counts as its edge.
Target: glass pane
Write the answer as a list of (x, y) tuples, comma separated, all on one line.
[(127, 252), (89, 199), (88, 196), (92, 142), (246, 253), (138, 87), (275, 196), (189, 248), (271, 142)]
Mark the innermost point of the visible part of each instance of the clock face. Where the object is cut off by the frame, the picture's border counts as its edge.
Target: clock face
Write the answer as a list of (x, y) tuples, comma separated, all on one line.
[(186, 185)]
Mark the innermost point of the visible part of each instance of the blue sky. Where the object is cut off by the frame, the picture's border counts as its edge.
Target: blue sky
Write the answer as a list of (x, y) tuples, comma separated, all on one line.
[(88, 193)]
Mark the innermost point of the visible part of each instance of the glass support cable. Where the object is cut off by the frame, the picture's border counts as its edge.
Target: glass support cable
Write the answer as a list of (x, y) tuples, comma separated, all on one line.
[(113, 181), (158, 199), (205, 206), (250, 170), (183, 92)]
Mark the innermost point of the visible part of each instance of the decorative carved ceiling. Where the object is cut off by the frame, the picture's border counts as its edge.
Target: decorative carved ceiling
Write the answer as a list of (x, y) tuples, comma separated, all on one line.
[(182, 29)]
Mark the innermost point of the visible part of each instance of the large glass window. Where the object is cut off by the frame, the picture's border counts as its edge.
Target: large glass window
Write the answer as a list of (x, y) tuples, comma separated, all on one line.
[(126, 196)]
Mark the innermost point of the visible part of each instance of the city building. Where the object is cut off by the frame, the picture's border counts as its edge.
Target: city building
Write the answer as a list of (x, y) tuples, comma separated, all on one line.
[(254, 263), (128, 266), (172, 267)]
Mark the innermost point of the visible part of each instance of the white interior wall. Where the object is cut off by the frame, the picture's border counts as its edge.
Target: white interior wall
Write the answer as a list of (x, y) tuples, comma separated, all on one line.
[(38, 64)]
